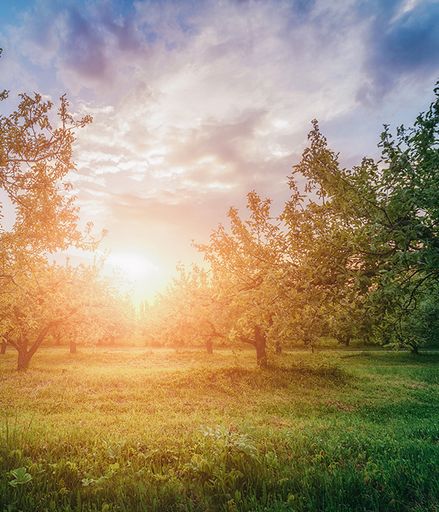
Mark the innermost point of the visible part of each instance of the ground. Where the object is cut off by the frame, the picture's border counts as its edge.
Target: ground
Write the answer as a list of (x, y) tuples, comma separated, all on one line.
[(158, 430)]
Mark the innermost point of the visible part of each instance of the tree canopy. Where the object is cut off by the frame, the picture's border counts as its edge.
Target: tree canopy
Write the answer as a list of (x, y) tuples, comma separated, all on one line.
[(353, 255)]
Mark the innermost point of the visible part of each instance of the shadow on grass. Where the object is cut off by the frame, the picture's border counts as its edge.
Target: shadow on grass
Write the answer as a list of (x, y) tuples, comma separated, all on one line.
[(395, 358), (410, 411), (274, 377)]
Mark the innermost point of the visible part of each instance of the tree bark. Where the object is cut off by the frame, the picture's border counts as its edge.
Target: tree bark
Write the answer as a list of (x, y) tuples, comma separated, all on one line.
[(3, 346), (278, 347), (260, 345), (72, 347), (23, 360), (209, 346), (25, 355), (345, 340), (58, 340)]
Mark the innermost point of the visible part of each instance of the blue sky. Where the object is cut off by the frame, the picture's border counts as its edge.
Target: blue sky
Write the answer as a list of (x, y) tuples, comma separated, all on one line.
[(196, 103)]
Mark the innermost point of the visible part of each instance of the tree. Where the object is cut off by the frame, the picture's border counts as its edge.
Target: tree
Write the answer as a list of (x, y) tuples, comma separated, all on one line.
[(248, 263), (187, 312), (101, 311), (35, 159), (371, 232), (322, 267), (35, 304)]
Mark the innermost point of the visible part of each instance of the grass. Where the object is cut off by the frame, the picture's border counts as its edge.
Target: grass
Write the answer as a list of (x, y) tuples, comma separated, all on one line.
[(137, 430)]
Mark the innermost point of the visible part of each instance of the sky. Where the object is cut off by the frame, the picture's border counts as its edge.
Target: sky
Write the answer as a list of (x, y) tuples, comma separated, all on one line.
[(195, 103)]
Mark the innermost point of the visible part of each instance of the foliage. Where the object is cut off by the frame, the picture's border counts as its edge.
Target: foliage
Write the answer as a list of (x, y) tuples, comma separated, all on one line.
[(248, 264), (101, 313), (366, 238), (35, 160), (20, 477), (354, 255), (188, 312)]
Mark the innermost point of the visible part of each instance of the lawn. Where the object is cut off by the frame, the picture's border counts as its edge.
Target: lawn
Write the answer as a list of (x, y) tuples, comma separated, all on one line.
[(141, 430)]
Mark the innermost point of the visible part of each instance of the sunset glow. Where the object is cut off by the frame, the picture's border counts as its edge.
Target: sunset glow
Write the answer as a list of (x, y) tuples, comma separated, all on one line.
[(219, 255), (196, 103), (134, 266), (135, 274)]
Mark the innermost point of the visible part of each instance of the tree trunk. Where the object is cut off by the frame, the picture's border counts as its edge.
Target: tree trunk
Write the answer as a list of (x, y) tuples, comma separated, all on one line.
[(414, 349), (23, 359), (260, 344), (72, 347), (278, 347), (3, 346), (209, 346), (25, 355), (345, 340)]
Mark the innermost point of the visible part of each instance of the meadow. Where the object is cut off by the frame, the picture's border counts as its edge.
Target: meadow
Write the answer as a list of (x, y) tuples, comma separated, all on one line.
[(159, 430)]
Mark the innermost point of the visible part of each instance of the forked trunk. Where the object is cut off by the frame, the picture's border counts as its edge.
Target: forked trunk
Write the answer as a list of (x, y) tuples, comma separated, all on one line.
[(260, 345), (3, 347), (26, 350)]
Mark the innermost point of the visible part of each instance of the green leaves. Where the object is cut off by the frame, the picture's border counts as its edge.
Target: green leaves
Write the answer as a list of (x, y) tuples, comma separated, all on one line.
[(369, 234), (21, 477)]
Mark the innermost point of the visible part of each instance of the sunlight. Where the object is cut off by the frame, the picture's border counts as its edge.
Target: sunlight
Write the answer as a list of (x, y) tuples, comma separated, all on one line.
[(219, 255), (136, 274), (134, 266)]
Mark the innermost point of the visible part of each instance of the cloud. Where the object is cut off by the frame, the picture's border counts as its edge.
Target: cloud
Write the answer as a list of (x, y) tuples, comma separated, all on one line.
[(85, 50), (196, 103), (403, 43)]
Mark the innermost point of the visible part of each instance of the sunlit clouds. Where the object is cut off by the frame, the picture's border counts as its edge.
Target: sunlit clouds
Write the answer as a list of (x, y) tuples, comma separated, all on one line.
[(195, 103)]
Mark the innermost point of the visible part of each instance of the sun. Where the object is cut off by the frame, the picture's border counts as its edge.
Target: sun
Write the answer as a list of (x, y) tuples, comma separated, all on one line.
[(136, 274), (133, 266)]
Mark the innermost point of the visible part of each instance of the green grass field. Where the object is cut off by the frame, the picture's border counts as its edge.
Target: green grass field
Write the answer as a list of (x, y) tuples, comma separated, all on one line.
[(137, 430)]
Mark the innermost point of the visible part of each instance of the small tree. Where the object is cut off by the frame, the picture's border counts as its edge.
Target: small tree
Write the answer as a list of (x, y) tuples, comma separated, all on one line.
[(248, 263), (101, 311), (34, 305), (187, 312)]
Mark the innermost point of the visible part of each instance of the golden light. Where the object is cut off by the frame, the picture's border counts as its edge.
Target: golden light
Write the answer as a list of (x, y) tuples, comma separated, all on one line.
[(133, 266), (136, 274)]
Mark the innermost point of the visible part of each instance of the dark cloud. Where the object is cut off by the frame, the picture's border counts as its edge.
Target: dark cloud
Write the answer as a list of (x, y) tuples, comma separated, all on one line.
[(84, 48), (303, 8), (84, 36), (401, 44), (124, 29)]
